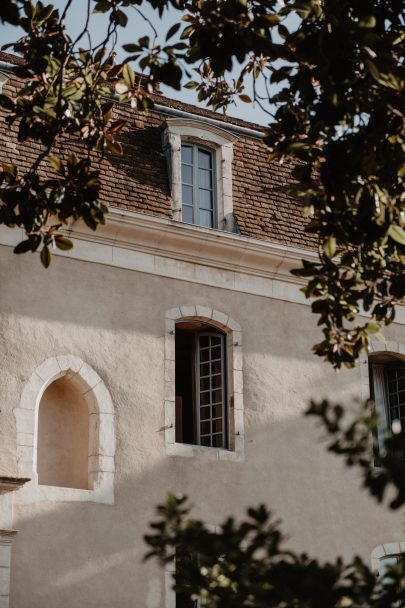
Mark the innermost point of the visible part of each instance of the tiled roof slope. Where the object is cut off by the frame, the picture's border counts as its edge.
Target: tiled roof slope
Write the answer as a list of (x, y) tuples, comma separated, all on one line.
[(138, 179)]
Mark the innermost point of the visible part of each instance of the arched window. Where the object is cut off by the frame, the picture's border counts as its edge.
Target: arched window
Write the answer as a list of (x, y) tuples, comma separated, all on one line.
[(387, 390), (199, 158), (65, 434), (201, 385), (204, 384), (63, 437)]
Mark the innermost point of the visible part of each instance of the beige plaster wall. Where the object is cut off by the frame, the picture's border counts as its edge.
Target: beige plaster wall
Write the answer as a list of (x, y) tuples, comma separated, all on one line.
[(84, 554), (63, 437)]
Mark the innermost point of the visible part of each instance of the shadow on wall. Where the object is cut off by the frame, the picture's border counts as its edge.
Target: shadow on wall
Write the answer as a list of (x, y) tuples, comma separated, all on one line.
[(70, 309), (89, 555)]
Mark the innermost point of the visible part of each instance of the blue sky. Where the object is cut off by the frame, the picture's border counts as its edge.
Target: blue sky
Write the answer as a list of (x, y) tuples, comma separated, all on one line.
[(136, 27)]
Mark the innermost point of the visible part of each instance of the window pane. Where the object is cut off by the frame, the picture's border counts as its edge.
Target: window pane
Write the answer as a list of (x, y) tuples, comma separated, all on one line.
[(187, 194), (216, 367), (187, 154), (205, 179), (205, 199), (204, 369), (215, 341), (217, 411), (216, 352), (187, 174), (217, 381), (217, 426), (204, 159), (217, 441), (205, 384), (204, 341), (205, 398), (205, 428), (205, 413), (206, 440), (187, 214), (205, 219), (217, 396), (205, 355)]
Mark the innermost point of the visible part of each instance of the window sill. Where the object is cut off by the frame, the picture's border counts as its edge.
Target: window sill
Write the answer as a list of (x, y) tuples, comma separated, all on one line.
[(206, 453), (34, 492)]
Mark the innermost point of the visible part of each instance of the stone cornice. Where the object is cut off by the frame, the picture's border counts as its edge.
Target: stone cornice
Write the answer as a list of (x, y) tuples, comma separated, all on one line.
[(184, 242), (10, 484)]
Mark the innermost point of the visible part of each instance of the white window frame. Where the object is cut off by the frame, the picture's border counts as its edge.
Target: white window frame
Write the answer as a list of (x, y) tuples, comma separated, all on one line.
[(235, 413), (183, 130), (102, 433), (381, 347)]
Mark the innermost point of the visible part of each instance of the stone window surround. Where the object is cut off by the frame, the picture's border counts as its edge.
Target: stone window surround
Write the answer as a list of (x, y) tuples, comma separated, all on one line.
[(385, 550), (233, 335), (102, 433), (180, 130), (376, 347)]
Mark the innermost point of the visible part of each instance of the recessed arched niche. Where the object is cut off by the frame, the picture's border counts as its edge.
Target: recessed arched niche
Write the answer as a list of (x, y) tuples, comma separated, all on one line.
[(63, 436)]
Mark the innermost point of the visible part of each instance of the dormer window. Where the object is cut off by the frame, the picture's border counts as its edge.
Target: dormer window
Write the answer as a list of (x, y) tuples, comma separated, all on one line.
[(197, 178), (199, 163)]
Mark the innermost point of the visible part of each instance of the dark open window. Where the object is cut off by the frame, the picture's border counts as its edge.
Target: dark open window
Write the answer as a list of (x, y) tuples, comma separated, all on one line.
[(201, 412), (387, 389)]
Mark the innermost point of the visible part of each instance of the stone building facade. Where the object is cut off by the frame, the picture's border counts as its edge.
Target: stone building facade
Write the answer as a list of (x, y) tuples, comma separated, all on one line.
[(170, 350)]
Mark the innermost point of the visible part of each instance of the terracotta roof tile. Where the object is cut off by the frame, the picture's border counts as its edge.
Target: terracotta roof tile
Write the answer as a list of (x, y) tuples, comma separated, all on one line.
[(138, 180)]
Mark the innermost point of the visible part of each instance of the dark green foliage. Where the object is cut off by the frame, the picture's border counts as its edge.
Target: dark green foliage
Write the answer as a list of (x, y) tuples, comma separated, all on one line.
[(245, 565), (338, 66)]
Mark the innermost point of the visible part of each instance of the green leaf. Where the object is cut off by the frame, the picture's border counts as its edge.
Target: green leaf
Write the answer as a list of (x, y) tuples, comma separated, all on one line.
[(245, 98), (56, 163), (121, 18), (45, 256), (173, 30), (372, 69), (6, 102), (23, 247), (329, 246), (397, 234), (128, 75), (102, 6), (63, 243)]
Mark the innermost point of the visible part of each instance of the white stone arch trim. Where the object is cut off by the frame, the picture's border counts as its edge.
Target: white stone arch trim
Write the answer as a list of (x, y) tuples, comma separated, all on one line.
[(233, 334), (376, 346), (385, 550), (220, 140), (102, 431)]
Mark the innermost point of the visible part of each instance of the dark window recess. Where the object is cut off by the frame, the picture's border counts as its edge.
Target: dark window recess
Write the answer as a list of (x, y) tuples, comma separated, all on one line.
[(182, 601), (387, 389), (201, 413)]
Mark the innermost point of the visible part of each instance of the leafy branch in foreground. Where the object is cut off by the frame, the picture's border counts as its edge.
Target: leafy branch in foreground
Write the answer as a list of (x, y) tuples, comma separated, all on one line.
[(331, 75), (246, 565)]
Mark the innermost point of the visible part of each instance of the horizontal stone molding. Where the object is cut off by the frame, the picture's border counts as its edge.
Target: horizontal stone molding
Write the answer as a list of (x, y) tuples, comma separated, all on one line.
[(157, 246)]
